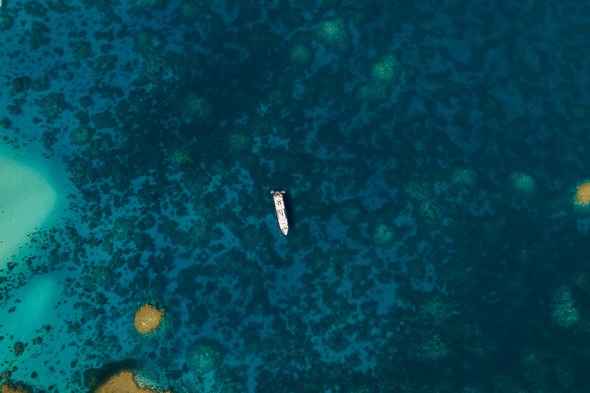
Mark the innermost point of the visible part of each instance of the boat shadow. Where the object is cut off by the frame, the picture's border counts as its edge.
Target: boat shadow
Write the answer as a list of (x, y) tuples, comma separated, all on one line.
[(289, 210)]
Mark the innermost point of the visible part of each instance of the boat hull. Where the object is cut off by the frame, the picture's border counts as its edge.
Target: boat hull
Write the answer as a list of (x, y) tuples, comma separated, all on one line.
[(277, 196)]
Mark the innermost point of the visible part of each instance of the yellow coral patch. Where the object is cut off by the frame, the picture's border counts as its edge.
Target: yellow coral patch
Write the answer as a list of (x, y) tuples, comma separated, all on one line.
[(7, 388), (122, 382), (582, 197), (148, 318)]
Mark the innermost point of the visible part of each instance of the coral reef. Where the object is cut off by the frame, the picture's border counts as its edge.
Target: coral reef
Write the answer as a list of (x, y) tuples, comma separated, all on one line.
[(7, 387), (205, 357), (148, 318), (564, 310), (333, 33), (301, 54), (123, 382), (582, 196), (523, 182), (383, 234), (385, 71), (196, 106)]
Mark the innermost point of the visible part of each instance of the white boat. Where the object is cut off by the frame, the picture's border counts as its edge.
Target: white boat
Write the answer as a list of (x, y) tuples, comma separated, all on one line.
[(281, 212)]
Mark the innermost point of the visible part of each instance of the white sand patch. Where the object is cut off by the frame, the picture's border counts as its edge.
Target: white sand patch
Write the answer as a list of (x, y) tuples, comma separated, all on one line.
[(26, 200), (36, 308)]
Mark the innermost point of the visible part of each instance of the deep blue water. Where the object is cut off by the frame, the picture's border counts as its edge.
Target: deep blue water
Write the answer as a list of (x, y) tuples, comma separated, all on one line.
[(430, 153)]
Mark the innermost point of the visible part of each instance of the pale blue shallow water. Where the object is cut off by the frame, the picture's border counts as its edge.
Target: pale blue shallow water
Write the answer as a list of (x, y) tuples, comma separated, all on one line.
[(430, 153)]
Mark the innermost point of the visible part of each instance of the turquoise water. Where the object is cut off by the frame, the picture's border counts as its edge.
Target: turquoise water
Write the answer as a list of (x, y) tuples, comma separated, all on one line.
[(430, 153)]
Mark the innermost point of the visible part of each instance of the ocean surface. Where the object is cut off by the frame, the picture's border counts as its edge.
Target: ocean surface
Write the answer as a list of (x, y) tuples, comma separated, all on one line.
[(436, 162)]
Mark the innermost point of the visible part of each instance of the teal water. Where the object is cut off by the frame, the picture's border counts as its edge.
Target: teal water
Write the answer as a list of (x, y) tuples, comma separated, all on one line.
[(431, 155)]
